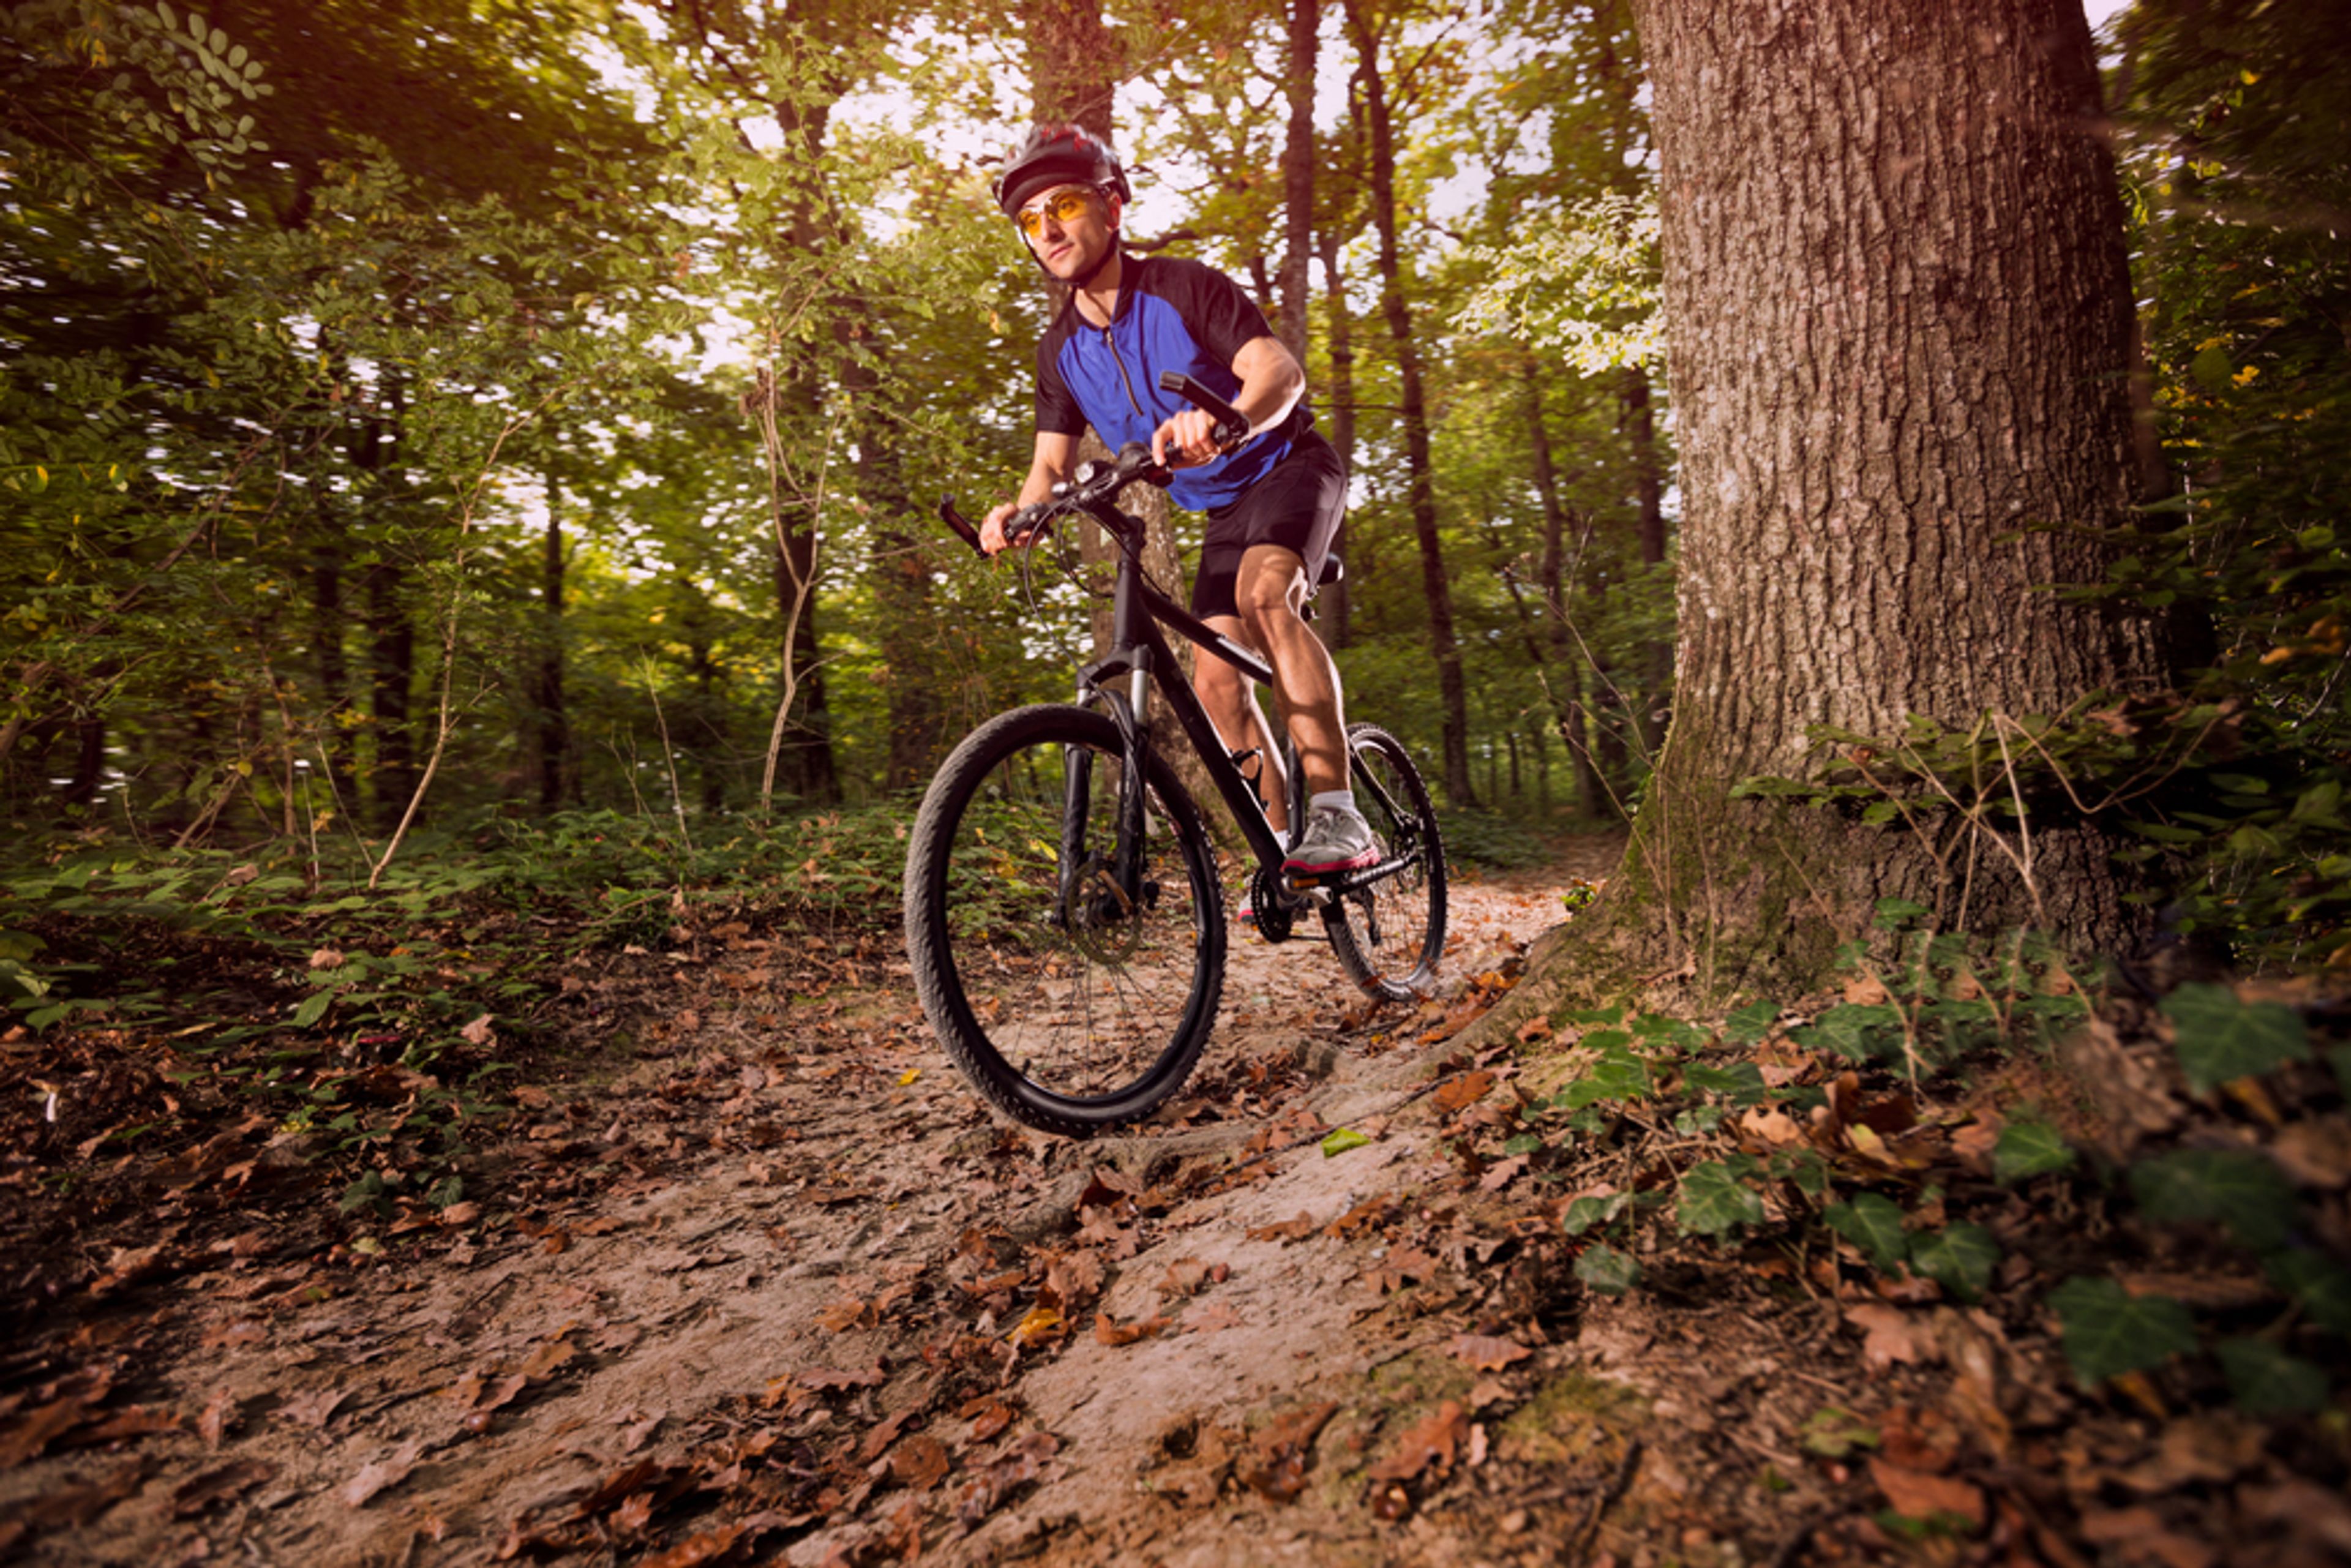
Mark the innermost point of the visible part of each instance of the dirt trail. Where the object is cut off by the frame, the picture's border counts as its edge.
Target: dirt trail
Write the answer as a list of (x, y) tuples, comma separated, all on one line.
[(826, 1342)]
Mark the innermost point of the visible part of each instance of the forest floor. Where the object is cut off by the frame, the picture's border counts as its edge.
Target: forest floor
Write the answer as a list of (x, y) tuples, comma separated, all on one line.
[(753, 1278)]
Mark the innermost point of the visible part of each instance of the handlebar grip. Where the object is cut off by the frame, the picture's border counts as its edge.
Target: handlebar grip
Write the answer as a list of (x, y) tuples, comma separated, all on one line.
[(1028, 525), (1231, 428), (962, 525)]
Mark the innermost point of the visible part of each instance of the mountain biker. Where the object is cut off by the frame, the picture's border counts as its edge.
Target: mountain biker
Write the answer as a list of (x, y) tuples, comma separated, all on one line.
[(1273, 501)]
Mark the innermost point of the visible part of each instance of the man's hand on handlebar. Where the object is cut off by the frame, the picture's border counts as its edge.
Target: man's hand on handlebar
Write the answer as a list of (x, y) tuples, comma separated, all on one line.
[(1009, 525), (1187, 440)]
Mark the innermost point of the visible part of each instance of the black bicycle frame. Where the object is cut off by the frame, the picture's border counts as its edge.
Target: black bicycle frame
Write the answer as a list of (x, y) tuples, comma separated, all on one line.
[(1140, 651)]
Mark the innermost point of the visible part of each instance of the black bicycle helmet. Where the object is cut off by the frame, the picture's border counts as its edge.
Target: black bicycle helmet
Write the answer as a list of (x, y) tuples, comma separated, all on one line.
[(1054, 155)]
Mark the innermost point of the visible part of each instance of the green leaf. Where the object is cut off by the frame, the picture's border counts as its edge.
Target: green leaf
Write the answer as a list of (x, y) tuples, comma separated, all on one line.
[(365, 1193), (2028, 1149), (2268, 1382), (163, 13), (1586, 1212), (2318, 1284), (1873, 1223), (2235, 1188), (1833, 1432), (1607, 1270), (1617, 1076), (1893, 911), (1750, 1023), (2108, 1332), (1741, 1083), (1714, 1200), (1339, 1140), (1856, 1031), (2220, 1039), (314, 1007), (1959, 1258)]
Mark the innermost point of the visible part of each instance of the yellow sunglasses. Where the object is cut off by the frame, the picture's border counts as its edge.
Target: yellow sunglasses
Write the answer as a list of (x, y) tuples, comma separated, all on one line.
[(1061, 206)]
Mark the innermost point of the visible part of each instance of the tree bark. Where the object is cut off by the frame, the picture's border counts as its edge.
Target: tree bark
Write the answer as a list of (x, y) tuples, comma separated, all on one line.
[(554, 722), (1413, 415), (1899, 325), (1341, 410), (1298, 176), (1563, 660)]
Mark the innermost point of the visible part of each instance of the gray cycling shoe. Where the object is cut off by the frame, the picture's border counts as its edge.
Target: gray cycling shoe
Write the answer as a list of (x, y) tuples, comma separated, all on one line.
[(1336, 840)]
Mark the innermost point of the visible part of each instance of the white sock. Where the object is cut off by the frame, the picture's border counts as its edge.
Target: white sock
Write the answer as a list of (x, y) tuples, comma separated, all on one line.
[(1281, 839), (1328, 799)]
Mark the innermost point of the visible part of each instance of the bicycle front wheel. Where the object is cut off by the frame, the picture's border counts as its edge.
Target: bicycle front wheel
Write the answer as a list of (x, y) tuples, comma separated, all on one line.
[(1387, 930), (1063, 920)]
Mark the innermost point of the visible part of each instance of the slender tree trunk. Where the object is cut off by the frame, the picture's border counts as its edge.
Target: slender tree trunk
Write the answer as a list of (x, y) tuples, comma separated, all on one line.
[(1414, 417), (1564, 675), (1298, 176), (554, 721), (334, 667), (901, 567), (1649, 489), (1900, 325), (391, 667), (1341, 411), (805, 764)]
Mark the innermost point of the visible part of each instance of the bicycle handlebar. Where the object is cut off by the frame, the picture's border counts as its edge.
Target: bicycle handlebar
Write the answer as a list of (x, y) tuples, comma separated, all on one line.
[(1097, 484)]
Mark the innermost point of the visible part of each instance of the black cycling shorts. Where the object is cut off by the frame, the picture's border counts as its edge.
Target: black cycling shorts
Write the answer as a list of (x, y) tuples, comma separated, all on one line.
[(1298, 505)]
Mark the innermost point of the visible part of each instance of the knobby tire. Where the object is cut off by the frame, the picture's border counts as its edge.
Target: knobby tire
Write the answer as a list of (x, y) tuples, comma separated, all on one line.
[(1071, 1003)]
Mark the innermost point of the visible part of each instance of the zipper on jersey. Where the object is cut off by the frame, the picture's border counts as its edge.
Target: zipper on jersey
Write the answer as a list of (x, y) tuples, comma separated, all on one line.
[(1112, 344)]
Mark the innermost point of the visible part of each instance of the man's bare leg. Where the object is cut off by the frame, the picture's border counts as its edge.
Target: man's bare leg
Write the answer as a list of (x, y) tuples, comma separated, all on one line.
[(1231, 698), (1271, 591)]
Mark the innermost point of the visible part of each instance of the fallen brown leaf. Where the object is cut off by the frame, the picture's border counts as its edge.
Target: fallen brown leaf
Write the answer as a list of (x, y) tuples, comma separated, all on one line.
[(1278, 1453), (213, 1487), (547, 1357), (1487, 1353), (380, 1475), (1465, 1091), (1432, 1442), (1110, 1331), (919, 1462), (2141, 1534), (706, 1547), (1285, 1230), (217, 1417), (1893, 1335), (1918, 1496)]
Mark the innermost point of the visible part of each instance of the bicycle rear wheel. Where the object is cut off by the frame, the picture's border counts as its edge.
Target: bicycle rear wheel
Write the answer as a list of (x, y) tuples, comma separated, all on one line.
[(1389, 932), (1074, 994)]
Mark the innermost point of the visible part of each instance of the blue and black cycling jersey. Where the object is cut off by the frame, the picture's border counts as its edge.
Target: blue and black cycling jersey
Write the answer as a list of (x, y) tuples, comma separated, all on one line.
[(1173, 314)]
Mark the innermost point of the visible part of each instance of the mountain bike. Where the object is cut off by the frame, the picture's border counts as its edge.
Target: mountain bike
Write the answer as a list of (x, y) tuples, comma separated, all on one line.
[(1064, 914)]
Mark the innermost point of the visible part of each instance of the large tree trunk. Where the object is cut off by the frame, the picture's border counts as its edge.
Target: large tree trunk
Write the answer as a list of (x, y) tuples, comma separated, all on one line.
[(1413, 414), (1899, 327)]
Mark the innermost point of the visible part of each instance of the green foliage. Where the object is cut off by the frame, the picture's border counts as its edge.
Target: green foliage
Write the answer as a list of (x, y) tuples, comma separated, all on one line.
[(1587, 286), (1959, 1258), (2239, 1188), (1607, 1270), (1617, 1074), (2027, 1149), (2219, 1038), (1873, 1223), (2108, 1332), (1715, 1200), (2319, 1285), (2268, 1381)]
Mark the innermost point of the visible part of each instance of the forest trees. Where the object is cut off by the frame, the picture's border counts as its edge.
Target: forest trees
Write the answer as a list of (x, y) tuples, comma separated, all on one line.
[(1899, 327)]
